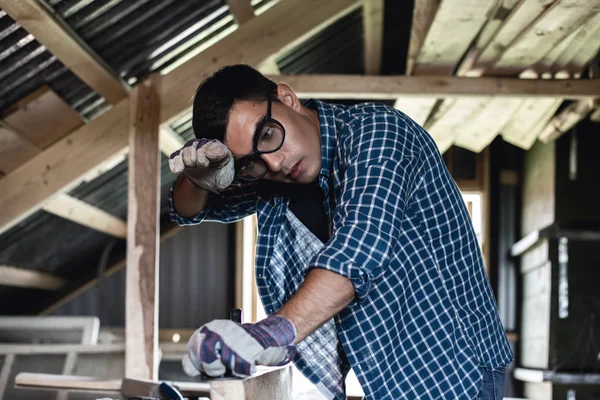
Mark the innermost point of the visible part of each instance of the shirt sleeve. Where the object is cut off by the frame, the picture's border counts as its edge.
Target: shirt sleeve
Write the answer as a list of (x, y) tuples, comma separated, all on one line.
[(380, 173), (226, 207)]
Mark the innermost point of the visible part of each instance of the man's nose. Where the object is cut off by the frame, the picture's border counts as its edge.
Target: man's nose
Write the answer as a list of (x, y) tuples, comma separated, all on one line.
[(274, 161)]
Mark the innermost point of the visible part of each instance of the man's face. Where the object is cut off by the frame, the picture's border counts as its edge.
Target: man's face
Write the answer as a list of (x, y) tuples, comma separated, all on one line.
[(299, 158)]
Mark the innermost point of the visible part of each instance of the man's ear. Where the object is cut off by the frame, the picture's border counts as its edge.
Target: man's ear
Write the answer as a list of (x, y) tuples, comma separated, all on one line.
[(286, 95)]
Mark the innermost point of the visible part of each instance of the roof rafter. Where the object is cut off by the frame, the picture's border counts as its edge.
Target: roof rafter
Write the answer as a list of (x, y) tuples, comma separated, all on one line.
[(28, 278), (242, 10), (373, 35)]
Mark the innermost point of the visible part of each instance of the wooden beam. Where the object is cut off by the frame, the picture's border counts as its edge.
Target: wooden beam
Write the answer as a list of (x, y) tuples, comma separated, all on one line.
[(392, 87), (525, 125), (51, 34), (84, 214), (169, 141), (423, 14), (373, 35), (416, 108), (43, 118), (455, 26), (554, 25), (29, 278), (242, 10), (141, 310), (566, 120), (60, 168)]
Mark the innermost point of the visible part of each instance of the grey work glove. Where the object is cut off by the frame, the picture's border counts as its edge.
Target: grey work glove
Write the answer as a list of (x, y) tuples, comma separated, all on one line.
[(208, 164)]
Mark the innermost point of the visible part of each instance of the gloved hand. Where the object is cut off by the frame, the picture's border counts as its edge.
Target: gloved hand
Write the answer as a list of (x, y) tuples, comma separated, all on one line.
[(207, 163), (224, 345)]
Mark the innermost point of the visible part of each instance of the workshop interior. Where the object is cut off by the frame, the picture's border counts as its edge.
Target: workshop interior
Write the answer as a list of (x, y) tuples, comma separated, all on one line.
[(100, 290)]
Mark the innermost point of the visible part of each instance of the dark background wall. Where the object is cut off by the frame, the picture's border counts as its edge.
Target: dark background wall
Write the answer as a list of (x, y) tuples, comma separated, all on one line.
[(196, 282)]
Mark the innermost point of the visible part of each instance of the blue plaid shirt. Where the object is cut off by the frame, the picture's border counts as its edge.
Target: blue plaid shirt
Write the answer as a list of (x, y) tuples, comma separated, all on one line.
[(424, 320)]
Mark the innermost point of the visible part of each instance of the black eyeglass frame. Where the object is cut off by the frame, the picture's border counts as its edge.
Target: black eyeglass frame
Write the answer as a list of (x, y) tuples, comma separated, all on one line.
[(255, 154)]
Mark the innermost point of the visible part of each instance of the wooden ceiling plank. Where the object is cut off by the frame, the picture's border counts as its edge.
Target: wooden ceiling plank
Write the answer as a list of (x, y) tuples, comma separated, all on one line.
[(447, 124), (485, 36), (565, 120), (84, 214), (455, 26), (43, 26), (418, 109), (524, 126), (424, 12), (477, 133), (44, 119), (373, 35), (554, 25), (526, 12), (242, 10), (584, 56), (545, 65), (29, 278), (423, 15)]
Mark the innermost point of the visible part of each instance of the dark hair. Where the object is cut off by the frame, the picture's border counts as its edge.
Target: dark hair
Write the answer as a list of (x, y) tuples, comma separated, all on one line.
[(217, 93)]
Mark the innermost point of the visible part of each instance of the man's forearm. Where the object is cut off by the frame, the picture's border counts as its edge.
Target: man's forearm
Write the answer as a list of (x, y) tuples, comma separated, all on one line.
[(321, 296), (188, 201)]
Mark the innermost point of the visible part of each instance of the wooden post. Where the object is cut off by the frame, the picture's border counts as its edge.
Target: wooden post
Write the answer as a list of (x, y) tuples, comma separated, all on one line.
[(141, 313)]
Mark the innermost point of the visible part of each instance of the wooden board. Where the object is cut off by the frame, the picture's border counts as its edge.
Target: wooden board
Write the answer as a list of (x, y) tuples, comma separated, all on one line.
[(539, 185), (242, 10), (565, 120), (373, 35), (485, 36), (43, 118), (416, 108), (423, 14), (29, 278), (456, 24), (518, 21), (143, 229), (581, 49), (14, 149), (63, 166), (477, 133), (82, 213), (556, 23), (524, 127), (447, 123)]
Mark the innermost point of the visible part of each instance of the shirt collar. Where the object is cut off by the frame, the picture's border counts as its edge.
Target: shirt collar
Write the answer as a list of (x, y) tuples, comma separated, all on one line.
[(328, 134)]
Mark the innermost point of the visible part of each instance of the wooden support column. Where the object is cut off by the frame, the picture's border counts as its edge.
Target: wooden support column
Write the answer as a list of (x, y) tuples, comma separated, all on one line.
[(141, 313)]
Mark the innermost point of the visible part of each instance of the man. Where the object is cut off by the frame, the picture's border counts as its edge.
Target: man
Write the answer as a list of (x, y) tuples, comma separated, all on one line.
[(366, 256)]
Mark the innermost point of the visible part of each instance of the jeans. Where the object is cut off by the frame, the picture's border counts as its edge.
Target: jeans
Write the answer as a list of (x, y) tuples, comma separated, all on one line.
[(492, 384)]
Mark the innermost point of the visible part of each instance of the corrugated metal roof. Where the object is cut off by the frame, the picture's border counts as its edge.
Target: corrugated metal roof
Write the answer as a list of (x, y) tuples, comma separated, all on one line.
[(337, 49), (26, 65)]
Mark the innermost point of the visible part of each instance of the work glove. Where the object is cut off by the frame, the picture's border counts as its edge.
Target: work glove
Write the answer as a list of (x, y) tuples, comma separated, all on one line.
[(223, 346), (207, 164)]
